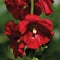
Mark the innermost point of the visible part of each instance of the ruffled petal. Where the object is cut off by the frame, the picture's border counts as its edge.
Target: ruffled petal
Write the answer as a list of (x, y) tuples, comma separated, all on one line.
[(15, 50), (46, 23), (21, 45), (50, 2), (45, 7), (16, 8), (37, 9), (21, 49), (23, 26), (16, 27), (32, 42), (44, 39), (20, 3), (32, 18), (9, 27), (21, 52), (49, 24)]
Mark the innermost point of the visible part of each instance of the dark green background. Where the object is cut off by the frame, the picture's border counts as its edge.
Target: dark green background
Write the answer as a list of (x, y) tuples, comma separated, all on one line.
[(52, 53)]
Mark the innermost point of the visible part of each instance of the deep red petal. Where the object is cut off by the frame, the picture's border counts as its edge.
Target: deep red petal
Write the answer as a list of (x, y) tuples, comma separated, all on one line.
[(49, 24), (50, 2), (15, 50), (15, 7), (21, 45), (32, 42), (46, 23), (16, 27), (8, 28), (52, 33), (32, 18), (7, 33), (37, 9), (21, 52), (23, 26), (27, 11), (45, 7), (43, 40), (20, 3)]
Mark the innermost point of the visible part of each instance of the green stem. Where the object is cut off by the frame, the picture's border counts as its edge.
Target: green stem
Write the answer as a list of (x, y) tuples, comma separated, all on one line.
[(32, 6)]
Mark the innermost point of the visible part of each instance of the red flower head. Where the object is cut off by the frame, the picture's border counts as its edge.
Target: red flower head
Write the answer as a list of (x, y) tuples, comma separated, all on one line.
[(12, 31), (35, 31), (45, 6), (40, 5), (32, 32), (16, 8), (20, 8)]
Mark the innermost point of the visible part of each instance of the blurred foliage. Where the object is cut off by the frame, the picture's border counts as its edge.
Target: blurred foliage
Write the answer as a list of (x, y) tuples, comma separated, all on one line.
[(53, 51)]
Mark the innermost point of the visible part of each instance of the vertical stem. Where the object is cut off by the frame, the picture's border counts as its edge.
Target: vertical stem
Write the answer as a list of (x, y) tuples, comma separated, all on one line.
[(32, 6)]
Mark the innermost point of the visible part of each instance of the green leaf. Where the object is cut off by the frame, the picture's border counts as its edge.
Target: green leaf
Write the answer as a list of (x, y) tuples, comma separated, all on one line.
[(35, 58), (3, 38)]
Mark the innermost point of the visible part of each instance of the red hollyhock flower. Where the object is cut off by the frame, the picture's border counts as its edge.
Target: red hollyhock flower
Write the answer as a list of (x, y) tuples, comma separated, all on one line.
[(12, 31), (16, 8), (11, 28), (18, 49), (41, 5), (35, 31), (45, 6)]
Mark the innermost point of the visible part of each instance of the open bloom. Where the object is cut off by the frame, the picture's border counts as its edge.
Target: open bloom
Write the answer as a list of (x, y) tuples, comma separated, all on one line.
[(12, 31), (35, 31)]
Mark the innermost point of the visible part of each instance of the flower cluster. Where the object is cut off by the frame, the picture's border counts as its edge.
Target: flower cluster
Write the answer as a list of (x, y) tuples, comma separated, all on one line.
[(31, 32), (20, 8)]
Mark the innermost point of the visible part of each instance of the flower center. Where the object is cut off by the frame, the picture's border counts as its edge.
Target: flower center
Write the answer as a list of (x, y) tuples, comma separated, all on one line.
[(34, 31)]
